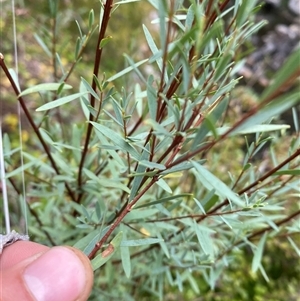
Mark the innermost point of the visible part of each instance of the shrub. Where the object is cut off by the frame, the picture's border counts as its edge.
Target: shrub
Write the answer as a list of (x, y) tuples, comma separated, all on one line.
[(156, 171)]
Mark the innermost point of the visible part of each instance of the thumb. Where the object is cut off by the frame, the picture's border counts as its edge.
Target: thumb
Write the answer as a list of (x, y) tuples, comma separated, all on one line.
[(32, 272)]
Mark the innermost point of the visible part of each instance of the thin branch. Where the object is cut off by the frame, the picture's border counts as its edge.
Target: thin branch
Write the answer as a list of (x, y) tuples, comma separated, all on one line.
[(121, 217), (33, 125), (259, 233), (106, 16)]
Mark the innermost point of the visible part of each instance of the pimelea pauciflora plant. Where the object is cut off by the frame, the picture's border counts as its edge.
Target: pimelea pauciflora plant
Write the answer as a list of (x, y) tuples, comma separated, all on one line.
[(136, 167)]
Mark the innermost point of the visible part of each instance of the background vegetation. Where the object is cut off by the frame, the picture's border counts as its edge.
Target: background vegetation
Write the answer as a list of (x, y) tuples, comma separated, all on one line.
[(177, 179)]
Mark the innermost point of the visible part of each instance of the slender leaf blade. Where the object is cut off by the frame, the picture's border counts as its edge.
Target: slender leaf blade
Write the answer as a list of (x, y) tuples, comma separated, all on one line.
[(256, 262), (210, 181), (44, 87), (60, 101)]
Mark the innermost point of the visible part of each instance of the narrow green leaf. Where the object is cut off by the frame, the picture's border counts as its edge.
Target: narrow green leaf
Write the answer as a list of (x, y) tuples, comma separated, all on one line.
[(194, 283), (199, 205), (15, 77), (87, 108), (111, 151), (113, 118), (126, 263), (210, 181), (136, 70), (125, 258), (42, 44), (163, 200), (258, 253), (163, 184), (180, 167), (138, 178), (89, 88), (162, 13), (96, 80), (204, 129), (244, 11), (79, 29), (20, 169), (223, 65), (211, 202), (163, 245), (211, 126), (46, 136), (179, 281), (118, 111), (104, 182), (294, 246), (263, 272), (116, 139), (140, 214), (296, 120), (204, 239), (62, 69), (88, 242), (108, 183), (91, 18), (90, 175), (61, 162), (125, 1), (59, 102), (190, 16), (152, 46), (77, 48), (104, 41), (140, 242), (290, 67), (152, 165), (102, 258), (45, 87), (278, 106), (151, 97), (86, 213), (98, 211), (126, 70), (258, 128), (294, 172)]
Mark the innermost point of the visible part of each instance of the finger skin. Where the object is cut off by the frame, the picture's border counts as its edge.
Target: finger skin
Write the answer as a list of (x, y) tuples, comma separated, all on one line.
[(14, 260)]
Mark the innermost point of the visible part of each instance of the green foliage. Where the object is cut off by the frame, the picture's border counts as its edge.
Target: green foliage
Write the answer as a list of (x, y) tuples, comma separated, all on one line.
[(158, 181)]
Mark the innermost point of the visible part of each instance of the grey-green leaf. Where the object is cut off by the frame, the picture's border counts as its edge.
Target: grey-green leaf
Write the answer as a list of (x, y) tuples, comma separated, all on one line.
[(44, 87), (258, 253), (211, 181), (102, 258), (59, 102)]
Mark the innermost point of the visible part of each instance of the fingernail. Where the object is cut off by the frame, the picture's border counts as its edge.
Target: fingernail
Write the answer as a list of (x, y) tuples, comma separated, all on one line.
[(56, 275)]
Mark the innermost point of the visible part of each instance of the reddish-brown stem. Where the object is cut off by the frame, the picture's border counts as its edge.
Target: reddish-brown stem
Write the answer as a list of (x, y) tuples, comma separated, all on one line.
[(259, 233), (106, 16), (33, 125), (120, 218), (271, 172), (167, 219)]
